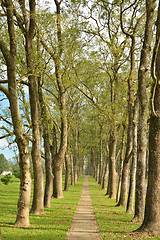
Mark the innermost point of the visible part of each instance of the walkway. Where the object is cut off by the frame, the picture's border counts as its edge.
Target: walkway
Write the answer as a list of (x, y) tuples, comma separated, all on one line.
[(84, 225)]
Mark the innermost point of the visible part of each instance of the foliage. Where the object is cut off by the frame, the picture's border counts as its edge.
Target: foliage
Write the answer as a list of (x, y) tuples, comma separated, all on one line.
[(6, 179), (3, 163)]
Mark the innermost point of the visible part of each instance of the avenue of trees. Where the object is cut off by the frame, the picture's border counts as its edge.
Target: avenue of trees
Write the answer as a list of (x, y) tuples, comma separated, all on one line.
[(82, 82)]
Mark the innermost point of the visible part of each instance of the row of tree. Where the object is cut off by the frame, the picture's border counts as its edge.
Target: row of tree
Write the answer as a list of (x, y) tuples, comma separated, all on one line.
[(78, 87)]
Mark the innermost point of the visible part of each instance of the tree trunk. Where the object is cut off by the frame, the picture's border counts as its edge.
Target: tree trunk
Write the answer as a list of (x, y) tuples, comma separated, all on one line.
[(75, 156), (151, 221), (112, 165), (67, 173), (152, 214), (104, 183), (48, 165), (48, 172), (142, 124), (130, 201), (22, 219), (58, 193), (45, 125), (97, 172), (126, 164), (91, 164), (72, 172), (38, 197), (60, 155), (29, 31), (101, 156), (121, 166)]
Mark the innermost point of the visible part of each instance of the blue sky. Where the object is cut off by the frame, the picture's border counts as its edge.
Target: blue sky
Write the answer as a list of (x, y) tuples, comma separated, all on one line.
[(4, 149), (6, 152)]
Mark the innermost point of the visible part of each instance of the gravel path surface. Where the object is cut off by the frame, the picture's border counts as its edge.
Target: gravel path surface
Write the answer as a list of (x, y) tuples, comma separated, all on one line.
[(84, 225)]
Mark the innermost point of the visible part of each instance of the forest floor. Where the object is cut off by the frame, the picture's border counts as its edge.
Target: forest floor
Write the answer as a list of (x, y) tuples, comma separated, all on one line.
[(84, 225)]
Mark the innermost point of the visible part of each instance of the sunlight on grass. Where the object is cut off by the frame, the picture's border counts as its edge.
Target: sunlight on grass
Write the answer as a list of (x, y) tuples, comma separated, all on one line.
[(114, 222), (53, 225)]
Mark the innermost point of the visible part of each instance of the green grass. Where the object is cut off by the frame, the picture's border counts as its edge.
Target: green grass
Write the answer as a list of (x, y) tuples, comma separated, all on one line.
[(53, 225), (114, 222)]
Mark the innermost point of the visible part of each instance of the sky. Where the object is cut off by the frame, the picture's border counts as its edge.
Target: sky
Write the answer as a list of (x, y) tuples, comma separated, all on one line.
[(8, 153), (4, 149)]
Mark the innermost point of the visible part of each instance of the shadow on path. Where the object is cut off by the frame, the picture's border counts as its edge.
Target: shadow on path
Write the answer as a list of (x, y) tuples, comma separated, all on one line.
[(84, 225)]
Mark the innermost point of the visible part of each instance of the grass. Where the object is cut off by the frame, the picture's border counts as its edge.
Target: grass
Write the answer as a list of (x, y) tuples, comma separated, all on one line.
[(114, 222), (53, 225)]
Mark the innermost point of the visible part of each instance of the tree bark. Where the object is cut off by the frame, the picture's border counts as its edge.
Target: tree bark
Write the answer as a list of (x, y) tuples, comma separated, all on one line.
[(101, 155), (38, 201), (58, 193), (75, 156), (130, 202), (72, 172), (104, 183), (46, 135), (121, 166), (142, 124), (59, 156), (97, 171), (126, 164), (67, 173), (27, 26), (48, 172), (151, 221), (129, 147), (112, 165)]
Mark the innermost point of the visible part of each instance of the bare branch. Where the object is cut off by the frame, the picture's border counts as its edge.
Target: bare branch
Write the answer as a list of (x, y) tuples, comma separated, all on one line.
[(121, 20), (4, 136), (91, 99), (128, 6), (47, 90), (5, 120), (3, 81), (7, 130), (20, 21), (50, 51)]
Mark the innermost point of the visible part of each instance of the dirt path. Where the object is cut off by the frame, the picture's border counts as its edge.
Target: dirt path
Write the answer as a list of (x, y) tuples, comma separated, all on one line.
[(84, 225)]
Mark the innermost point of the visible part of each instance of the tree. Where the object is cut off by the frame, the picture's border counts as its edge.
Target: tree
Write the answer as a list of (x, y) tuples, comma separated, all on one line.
[(58, 157), (28, 29), (9, 55), (143, 107), (3, 163), (131, 194), (48, 164), (131, 33), (6, 179), (151, 221)]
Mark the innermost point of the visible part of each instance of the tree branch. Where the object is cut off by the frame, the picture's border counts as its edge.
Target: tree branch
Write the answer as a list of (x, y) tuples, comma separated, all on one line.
[(5, 120), (3, 81), (4, 90), (5, 51), (4, 136)]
